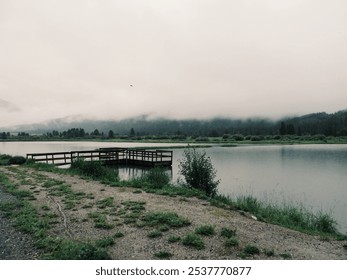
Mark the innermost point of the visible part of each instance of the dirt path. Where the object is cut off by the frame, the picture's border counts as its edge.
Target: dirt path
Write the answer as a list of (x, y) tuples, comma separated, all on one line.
[(120, 210), (14, 245)]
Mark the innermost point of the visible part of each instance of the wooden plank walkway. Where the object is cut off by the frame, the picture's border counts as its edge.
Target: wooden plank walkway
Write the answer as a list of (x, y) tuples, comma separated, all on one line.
[(111, 156)]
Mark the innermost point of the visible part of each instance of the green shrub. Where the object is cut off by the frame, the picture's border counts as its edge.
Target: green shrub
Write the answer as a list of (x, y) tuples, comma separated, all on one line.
[(72, 250), (238, 137), (165, 218), (251, 250), (231, 242), (174, 239), (205, 230), (17, 160), (157, 177), (154, 234), (198, 171), (105, 242), (193, 240), (228, 233), (94, 169), (4, 159), (163, 255)]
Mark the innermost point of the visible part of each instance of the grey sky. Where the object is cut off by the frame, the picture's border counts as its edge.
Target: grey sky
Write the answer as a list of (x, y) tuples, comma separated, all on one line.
[(184, 58)]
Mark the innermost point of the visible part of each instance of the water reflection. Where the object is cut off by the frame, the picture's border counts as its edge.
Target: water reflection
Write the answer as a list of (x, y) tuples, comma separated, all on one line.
[(128, 172)]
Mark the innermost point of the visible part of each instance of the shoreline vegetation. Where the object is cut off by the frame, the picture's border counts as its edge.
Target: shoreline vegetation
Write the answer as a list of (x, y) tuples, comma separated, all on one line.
[(29, 220), (225, 140)]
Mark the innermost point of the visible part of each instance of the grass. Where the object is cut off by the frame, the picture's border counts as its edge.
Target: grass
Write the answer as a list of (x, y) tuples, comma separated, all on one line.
[(95, 170), (251, 250), (193, 240), (156, 178), (61, 249), (105, 242), (106, 202), (286, 256), (174, 239), (163, 255), (169, 219), (154, 234), (231, 242), (290, 216), (100, 220), (228, 233), (27, 218), (206, 230)]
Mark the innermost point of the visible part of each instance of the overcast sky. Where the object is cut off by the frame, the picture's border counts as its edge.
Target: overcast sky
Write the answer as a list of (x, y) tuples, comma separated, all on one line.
[(179, 58)]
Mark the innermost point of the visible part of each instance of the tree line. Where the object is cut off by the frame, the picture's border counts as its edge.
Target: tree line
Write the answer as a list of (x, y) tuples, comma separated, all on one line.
[(313, 124)]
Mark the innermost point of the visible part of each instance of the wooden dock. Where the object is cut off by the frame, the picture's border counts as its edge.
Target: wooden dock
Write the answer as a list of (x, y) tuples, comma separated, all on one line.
[(111, 156)]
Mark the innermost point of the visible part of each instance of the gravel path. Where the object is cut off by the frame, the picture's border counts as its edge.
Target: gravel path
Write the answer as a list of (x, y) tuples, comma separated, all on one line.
[(14, 245), (75, 222)]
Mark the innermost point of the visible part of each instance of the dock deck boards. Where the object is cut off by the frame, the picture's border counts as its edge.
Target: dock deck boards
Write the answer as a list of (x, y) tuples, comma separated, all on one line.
[(111, 156)]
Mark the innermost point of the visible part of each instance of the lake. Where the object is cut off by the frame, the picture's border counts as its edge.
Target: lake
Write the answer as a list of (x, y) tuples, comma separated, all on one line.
[(312, 175)]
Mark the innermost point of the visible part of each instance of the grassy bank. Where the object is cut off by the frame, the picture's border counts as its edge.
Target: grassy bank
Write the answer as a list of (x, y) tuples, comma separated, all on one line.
[(291, 216), (28, 219), (38, 221)]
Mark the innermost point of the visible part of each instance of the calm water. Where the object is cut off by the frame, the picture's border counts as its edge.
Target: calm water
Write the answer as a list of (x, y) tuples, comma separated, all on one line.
[(314, 175)]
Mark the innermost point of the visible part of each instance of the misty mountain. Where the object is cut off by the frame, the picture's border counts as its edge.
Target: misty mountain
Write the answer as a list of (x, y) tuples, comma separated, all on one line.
[(317, 123), (8, 106)]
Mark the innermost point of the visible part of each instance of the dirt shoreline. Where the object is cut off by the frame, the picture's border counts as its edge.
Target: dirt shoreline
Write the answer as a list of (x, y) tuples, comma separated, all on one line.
[(74, 221)]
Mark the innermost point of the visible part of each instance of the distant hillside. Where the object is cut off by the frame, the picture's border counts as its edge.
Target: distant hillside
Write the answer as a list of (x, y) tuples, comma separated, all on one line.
[(318, 123)]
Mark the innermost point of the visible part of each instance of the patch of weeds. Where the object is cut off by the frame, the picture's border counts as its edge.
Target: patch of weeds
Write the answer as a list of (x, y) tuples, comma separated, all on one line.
[(286, 256), (206, 230), (118, 234), (251, 250), (269, 253), (163, 255), (231, 242), (95, 170), (100, 220), (137, 191), (228, 233), (106, 202), (27, 182), (163, 228), (105, 242), (154, 234), (132, 215), (174, 239), (193, 240), (128, 221), (73, 250), (170, 219), (24, 194), (157, 178), (51, 183), (69, 204)]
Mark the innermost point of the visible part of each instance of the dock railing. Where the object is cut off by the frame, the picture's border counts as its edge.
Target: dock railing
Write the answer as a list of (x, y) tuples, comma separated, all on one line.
[(108, 155)]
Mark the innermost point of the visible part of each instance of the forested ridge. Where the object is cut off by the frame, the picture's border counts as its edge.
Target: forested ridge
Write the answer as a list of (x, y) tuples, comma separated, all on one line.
[(312, 124)]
